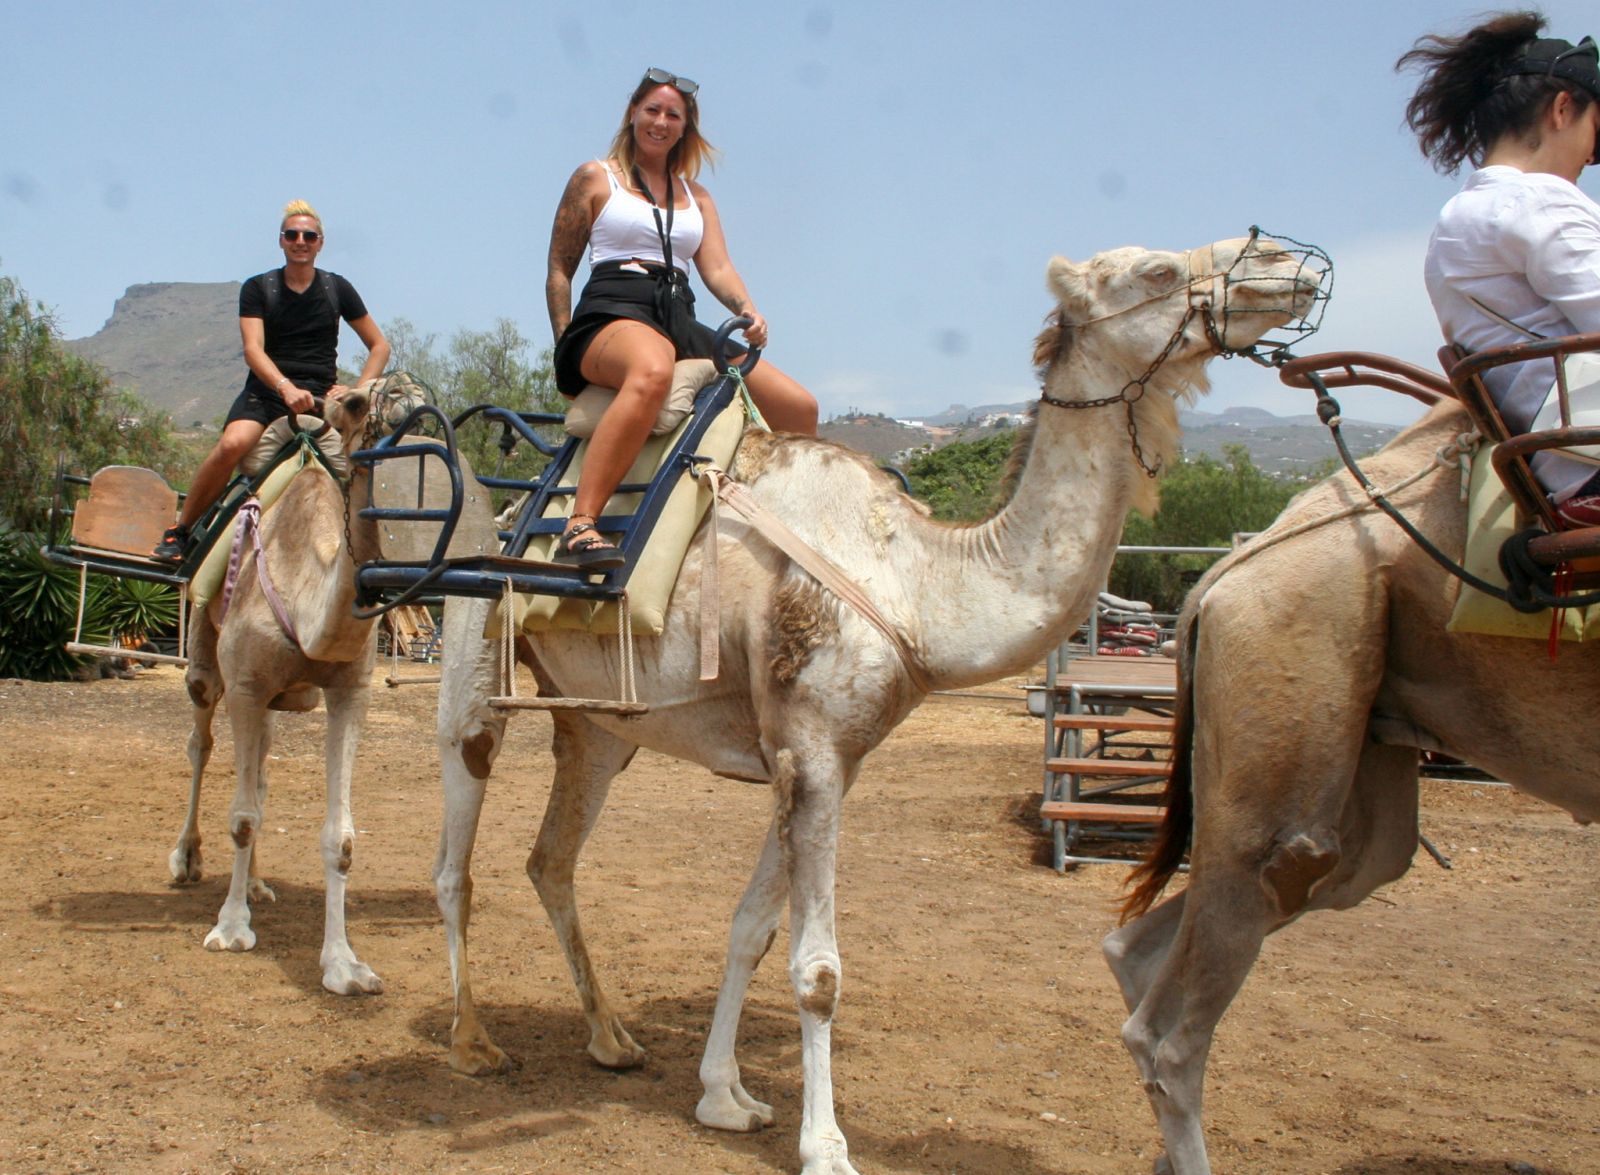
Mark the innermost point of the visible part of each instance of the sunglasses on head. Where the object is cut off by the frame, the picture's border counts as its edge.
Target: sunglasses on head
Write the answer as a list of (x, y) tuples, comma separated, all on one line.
[(662, 78), (309, 235)]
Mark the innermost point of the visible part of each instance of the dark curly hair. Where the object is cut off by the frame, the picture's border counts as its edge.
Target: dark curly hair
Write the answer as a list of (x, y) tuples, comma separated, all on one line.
[(1471, 94)]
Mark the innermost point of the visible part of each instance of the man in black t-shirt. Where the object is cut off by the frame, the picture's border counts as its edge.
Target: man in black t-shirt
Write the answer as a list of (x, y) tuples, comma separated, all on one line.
[(289, 321)]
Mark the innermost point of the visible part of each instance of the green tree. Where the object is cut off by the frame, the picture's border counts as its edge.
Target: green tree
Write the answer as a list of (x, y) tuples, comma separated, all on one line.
[(1204, 503), (494, 366), (55, 405), (960, 482)]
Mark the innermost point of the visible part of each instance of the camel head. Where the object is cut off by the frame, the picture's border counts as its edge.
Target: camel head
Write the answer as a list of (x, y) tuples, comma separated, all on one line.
[(372, 408), (1133, 304), (1140, 325)]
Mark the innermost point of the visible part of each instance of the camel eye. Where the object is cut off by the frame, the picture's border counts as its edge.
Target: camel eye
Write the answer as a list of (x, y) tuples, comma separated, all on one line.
[(1159, 275)]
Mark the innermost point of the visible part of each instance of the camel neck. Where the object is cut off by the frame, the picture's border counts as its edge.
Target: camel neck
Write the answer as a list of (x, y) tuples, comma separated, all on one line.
[(1012, 588)]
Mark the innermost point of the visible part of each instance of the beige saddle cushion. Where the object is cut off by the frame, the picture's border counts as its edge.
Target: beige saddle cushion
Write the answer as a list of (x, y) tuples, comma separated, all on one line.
[(688, 377), (1492, 518), (281, 431)]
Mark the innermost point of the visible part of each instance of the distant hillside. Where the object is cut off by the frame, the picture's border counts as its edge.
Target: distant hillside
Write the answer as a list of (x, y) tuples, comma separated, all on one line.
[(176, 345), (1278, 444)]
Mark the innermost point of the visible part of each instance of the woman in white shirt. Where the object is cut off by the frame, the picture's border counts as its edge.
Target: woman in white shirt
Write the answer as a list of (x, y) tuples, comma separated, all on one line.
[(1517, 251), (643, 216)]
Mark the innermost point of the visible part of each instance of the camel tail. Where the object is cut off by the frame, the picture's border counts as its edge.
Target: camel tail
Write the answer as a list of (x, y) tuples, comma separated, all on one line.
[(1152, 874)]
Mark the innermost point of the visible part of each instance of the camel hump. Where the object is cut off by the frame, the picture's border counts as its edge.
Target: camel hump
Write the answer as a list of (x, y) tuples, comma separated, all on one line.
[(125, 512)]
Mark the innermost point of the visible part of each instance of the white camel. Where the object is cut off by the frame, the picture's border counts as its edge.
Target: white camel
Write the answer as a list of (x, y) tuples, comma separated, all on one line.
[(248, 656), (807, 687), (1312, 668)]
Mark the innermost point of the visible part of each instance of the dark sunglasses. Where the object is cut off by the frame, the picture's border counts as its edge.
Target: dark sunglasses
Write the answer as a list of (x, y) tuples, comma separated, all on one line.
[(309, 235), (662, 78)]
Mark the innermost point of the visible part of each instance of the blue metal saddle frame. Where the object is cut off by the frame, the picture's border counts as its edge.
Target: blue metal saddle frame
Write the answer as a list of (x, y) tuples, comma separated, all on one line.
[(384, 584)]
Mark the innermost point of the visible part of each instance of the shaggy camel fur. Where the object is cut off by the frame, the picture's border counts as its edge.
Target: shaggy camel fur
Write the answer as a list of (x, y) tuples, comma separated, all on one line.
[(1311, 671), (807, 686), (250, 658)]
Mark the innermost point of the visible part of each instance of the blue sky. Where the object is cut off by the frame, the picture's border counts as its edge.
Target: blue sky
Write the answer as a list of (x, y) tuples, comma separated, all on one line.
[(895, 175)]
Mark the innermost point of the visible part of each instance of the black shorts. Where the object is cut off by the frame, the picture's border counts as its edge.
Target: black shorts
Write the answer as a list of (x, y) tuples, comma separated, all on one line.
[(612, 293), (260, 404)]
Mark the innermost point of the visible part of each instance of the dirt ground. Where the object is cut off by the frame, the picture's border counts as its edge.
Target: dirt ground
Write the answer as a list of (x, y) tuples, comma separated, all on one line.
[(1452, 1025)]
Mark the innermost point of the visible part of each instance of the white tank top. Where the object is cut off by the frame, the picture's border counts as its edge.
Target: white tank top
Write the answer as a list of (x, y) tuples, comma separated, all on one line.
[(626, 228)]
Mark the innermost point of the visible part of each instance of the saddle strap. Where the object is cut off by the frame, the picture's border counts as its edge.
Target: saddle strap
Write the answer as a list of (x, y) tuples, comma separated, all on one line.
[(739, 499), (248, 528)]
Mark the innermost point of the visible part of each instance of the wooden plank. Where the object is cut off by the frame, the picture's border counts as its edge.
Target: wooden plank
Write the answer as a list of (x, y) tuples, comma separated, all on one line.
[(1101, 813), (1108, 767), (1151, 723), (1098, 670), (599, 705)]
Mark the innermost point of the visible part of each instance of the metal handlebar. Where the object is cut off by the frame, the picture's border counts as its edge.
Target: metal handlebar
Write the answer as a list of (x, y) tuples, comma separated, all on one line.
[(719, 353)]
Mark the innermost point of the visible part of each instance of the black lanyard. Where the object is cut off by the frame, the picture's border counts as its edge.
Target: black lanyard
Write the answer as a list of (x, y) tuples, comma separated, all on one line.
[(664, 233)]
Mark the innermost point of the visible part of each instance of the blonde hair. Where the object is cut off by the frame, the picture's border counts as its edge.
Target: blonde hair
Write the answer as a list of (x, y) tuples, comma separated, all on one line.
[(688, 155), (299, 208)]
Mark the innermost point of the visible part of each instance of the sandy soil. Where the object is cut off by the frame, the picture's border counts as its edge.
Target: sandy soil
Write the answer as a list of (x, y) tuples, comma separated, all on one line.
[(1450, 1026)]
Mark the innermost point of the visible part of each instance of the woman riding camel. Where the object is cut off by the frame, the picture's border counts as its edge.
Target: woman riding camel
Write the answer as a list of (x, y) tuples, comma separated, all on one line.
[(644, 217), (1516, 252)]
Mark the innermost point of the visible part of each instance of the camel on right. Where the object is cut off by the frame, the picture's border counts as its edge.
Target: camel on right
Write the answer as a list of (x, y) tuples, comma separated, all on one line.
[(1314, 662)]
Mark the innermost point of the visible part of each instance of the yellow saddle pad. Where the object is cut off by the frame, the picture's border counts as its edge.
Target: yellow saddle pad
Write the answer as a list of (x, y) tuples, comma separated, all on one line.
[(655, 574), (1491, 520), (213, 569)]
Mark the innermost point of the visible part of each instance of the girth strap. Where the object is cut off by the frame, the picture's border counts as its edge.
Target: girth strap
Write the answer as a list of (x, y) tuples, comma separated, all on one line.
[(819, 566)]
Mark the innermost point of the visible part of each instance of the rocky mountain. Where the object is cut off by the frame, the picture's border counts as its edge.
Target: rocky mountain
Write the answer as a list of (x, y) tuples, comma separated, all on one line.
[(175, 345)]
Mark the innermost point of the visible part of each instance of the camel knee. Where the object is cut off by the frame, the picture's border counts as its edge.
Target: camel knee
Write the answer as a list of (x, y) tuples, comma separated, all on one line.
[(339, 848), (816, 987), (243, 830), (1295, 867), (477, 748)]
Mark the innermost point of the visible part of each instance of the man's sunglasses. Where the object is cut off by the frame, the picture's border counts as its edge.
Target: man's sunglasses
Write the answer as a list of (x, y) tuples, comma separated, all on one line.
[(309, 235), (662, 78)]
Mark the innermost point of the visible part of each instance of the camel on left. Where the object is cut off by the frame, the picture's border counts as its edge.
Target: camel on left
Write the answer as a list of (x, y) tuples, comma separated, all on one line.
[(310, 542)]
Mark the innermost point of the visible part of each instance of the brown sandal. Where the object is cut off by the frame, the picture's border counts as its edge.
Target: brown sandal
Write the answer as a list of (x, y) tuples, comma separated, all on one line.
[(582, 544)]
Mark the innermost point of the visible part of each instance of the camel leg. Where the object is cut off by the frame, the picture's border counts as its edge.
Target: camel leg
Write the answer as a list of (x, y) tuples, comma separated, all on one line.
[(725, 1105), (470, 736), (809, 795), (205, 691), (1266, 856), (587, 759), (252, 736), (342, 972), (1136, 951), (257, 887)]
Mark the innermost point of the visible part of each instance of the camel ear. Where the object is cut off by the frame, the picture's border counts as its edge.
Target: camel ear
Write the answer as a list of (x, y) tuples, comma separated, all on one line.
[(1067, 282)]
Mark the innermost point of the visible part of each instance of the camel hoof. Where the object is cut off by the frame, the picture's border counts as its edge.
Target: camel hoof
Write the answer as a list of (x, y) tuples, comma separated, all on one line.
[(351, 977), (230, 938), (612, 1047), (732, 1109), (184, 865), (475, 1058), (260, 891)]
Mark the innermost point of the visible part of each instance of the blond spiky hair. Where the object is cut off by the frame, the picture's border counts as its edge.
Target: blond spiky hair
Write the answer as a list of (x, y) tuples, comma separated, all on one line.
[(299, 208)]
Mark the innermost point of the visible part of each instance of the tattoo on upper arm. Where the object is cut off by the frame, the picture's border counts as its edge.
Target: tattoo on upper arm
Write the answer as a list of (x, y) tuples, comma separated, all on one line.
[(570, 233)]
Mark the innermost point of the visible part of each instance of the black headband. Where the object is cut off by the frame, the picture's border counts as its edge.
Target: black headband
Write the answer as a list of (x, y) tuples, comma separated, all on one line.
[(1555, 58)]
